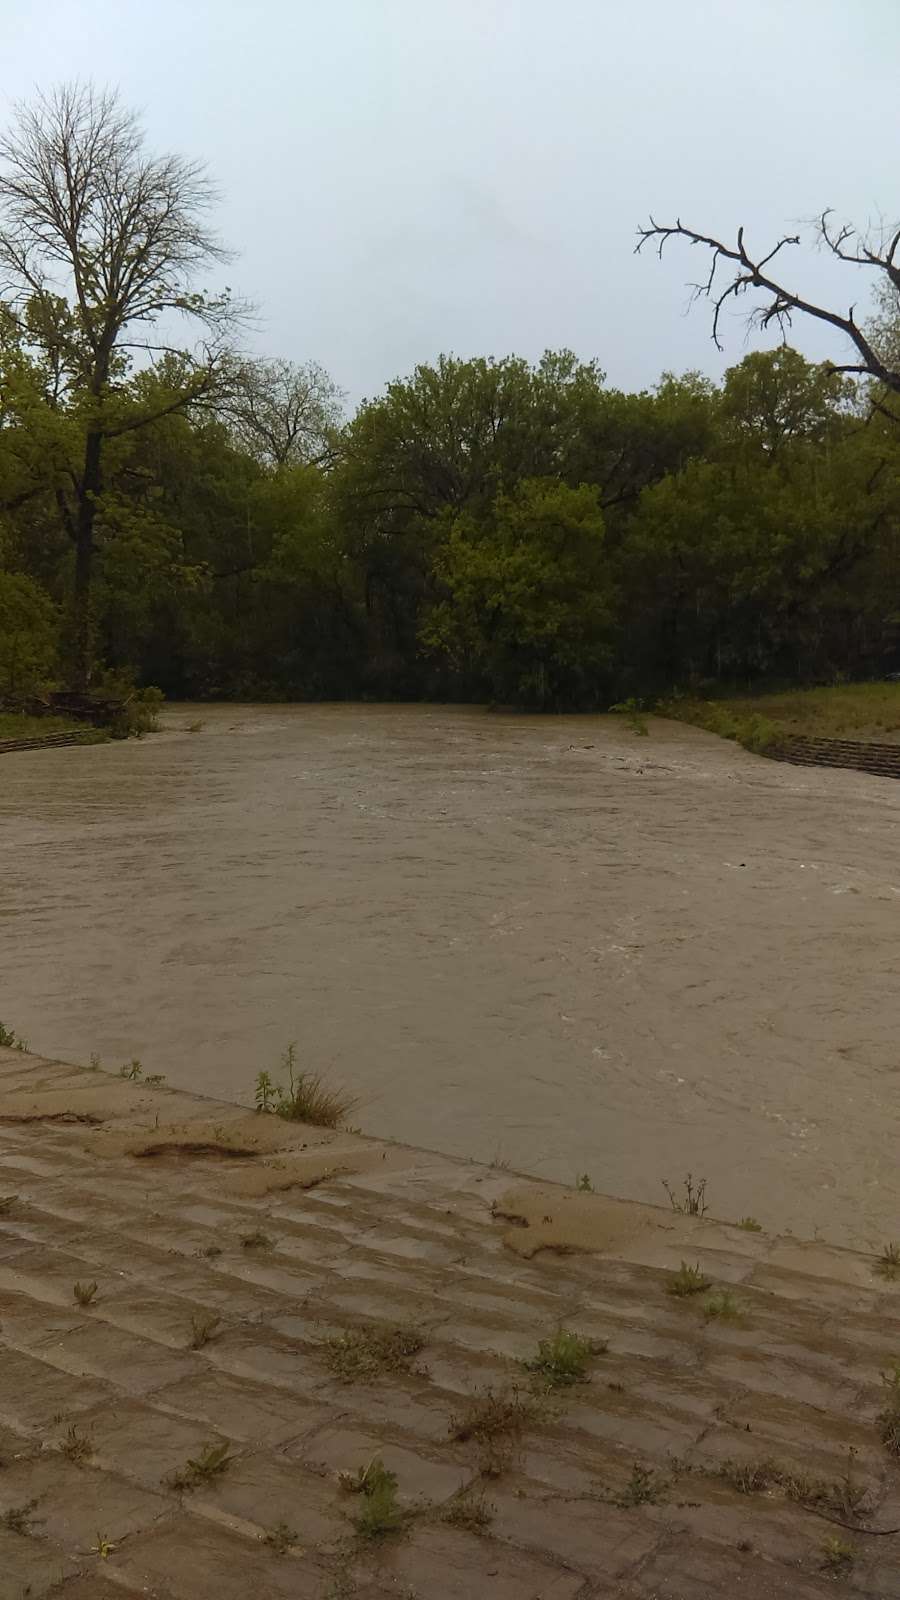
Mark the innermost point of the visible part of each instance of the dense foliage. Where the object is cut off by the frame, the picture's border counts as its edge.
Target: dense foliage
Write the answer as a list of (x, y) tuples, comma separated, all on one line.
[(485, 529)]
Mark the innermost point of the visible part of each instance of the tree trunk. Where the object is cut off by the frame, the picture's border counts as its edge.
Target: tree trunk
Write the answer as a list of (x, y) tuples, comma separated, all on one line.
[(82, 633)]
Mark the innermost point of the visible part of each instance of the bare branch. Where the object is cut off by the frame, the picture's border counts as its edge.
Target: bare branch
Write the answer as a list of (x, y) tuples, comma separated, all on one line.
[(777, 303)]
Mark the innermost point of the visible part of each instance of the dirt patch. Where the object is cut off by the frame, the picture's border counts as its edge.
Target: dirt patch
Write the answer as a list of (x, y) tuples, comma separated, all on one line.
[(546, 1217), (52, 1116), (180, 1152), (300, 1173), (245, 1134)]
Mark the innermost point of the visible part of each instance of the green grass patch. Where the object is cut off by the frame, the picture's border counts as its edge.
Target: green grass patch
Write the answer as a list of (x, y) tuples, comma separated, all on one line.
[(15, 725), (866, 711)]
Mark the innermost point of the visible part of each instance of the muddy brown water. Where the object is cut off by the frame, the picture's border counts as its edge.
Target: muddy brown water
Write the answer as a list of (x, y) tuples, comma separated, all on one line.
[(545, 942)]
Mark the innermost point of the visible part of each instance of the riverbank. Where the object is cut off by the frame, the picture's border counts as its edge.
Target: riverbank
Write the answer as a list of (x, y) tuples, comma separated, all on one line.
[(869, 712), (20, 727), (215, 1325)]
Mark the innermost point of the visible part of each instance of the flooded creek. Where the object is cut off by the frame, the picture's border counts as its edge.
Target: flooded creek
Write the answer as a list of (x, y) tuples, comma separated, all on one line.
[(545, 942)]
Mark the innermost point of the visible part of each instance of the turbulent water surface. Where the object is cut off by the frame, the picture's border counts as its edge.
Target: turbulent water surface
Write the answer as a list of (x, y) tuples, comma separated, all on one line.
[(544, 942)]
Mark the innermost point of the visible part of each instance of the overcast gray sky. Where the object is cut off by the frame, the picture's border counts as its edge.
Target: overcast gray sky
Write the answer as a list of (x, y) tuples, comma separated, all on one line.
[(402, 177)]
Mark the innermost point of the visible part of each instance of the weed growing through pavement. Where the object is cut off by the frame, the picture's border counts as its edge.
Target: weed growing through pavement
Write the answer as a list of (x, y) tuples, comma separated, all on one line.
[(468, 1511), (494, 1423), (305, 1098), (379, 1513), (837, 1554), (204, 1327), (721, 1306), (564, 1359), (280, 1538), (364, 1353), (257, 1240), (213, 1460), (687, 1281), (75, 1445), (693, 1202), (889, 1417), (19, 1519), (888, 1263), (644, 1487)]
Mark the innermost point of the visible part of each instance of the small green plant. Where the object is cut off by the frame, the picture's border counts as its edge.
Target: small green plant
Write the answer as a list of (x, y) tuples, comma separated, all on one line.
[(888, 1263), (837, 1554), (280, 1538), (19, 1519), (365, 1353), (693, 1202), (132, 1070), (486, 1415), (469, 1511), (889, 1418), (257, 1240), (213, 1460), (688, 1280), (139, 713), (75, 1446), (103, 1548), (379, 1513), (848, 1496), (266, 1092), (306, 1097), (631, 710), (204, 1327), (11, 1040), (750, 1225), (749, 1477), (644, 1487), (84, 1292), (565, 1358), (494, 1422), (722, 1306), (584, 1184)]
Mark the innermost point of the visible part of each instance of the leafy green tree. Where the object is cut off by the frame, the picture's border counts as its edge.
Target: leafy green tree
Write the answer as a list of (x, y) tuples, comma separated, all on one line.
[(28, 635), (529, 610), (85, 210), (751, 561)]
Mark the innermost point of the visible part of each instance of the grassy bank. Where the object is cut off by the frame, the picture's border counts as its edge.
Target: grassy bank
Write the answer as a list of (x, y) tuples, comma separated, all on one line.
[(844, 711), (15, 725)]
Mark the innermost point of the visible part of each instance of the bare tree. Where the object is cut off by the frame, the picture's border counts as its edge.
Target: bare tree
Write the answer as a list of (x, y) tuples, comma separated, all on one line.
[(736, 271), (100, 244), (284, 412)]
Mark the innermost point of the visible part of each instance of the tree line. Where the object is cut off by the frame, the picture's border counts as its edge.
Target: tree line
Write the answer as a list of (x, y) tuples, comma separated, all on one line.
[(174, 513)]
